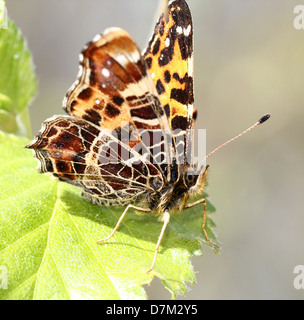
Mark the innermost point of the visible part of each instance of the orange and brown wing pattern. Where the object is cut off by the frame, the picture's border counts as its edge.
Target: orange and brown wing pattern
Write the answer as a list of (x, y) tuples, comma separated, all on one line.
[(106, 145), (112, 83), (114, 90), (81, 153), (169, 56)]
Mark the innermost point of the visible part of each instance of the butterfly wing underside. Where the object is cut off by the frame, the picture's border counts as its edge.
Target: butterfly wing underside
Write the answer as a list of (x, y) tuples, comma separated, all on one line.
[(104, 145), (116, 144)]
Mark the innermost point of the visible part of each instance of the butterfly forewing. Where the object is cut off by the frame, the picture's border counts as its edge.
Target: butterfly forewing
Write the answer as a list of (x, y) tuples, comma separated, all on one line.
[(169, 57), (115, 91)]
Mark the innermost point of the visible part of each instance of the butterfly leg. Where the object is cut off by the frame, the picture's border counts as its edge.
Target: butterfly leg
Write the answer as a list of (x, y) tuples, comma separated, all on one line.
[(204, 202), (130, 206), (165, 219)]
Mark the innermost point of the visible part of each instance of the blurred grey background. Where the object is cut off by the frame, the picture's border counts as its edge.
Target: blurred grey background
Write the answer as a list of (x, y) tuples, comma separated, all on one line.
[(249, 60)]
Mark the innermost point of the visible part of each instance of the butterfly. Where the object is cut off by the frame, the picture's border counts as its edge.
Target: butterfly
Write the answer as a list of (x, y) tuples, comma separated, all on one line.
[(126, 140)]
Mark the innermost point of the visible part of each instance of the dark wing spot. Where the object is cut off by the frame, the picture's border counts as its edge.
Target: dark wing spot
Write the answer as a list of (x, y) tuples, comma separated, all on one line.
[(72, 105), (146, 112), (52, 132), (167, 110), (111, 111), (160, 88), (194, 115), (165, 57), (118, 100), (179, 122), (167, 76), (85, 94), (131, 98), (62, 166), (156, 47), (178, 78), (149, 62), (180, 95), (183, 96), (92, 116)]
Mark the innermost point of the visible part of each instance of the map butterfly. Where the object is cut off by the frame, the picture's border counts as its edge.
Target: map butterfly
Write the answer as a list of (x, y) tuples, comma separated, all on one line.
[(126, 140)]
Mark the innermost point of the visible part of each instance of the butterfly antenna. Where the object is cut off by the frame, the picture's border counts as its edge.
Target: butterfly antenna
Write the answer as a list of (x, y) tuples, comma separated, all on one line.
[(262, 120)]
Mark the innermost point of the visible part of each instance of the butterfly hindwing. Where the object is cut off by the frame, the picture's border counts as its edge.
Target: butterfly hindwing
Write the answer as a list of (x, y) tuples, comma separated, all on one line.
[(81, 153)]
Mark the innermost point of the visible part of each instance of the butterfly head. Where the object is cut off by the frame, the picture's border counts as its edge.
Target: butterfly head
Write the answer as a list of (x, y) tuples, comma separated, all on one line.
[(174, 195), (195, 180)]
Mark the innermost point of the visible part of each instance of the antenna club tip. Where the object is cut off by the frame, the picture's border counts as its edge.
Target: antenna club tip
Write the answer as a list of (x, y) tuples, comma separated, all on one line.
[(264, 118)]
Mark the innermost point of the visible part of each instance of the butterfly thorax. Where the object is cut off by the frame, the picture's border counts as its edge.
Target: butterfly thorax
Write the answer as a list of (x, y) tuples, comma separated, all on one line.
[(173, 195)]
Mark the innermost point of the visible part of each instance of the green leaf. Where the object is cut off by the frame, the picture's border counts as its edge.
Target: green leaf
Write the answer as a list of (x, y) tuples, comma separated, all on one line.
[(18, 82), (48, 236)]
